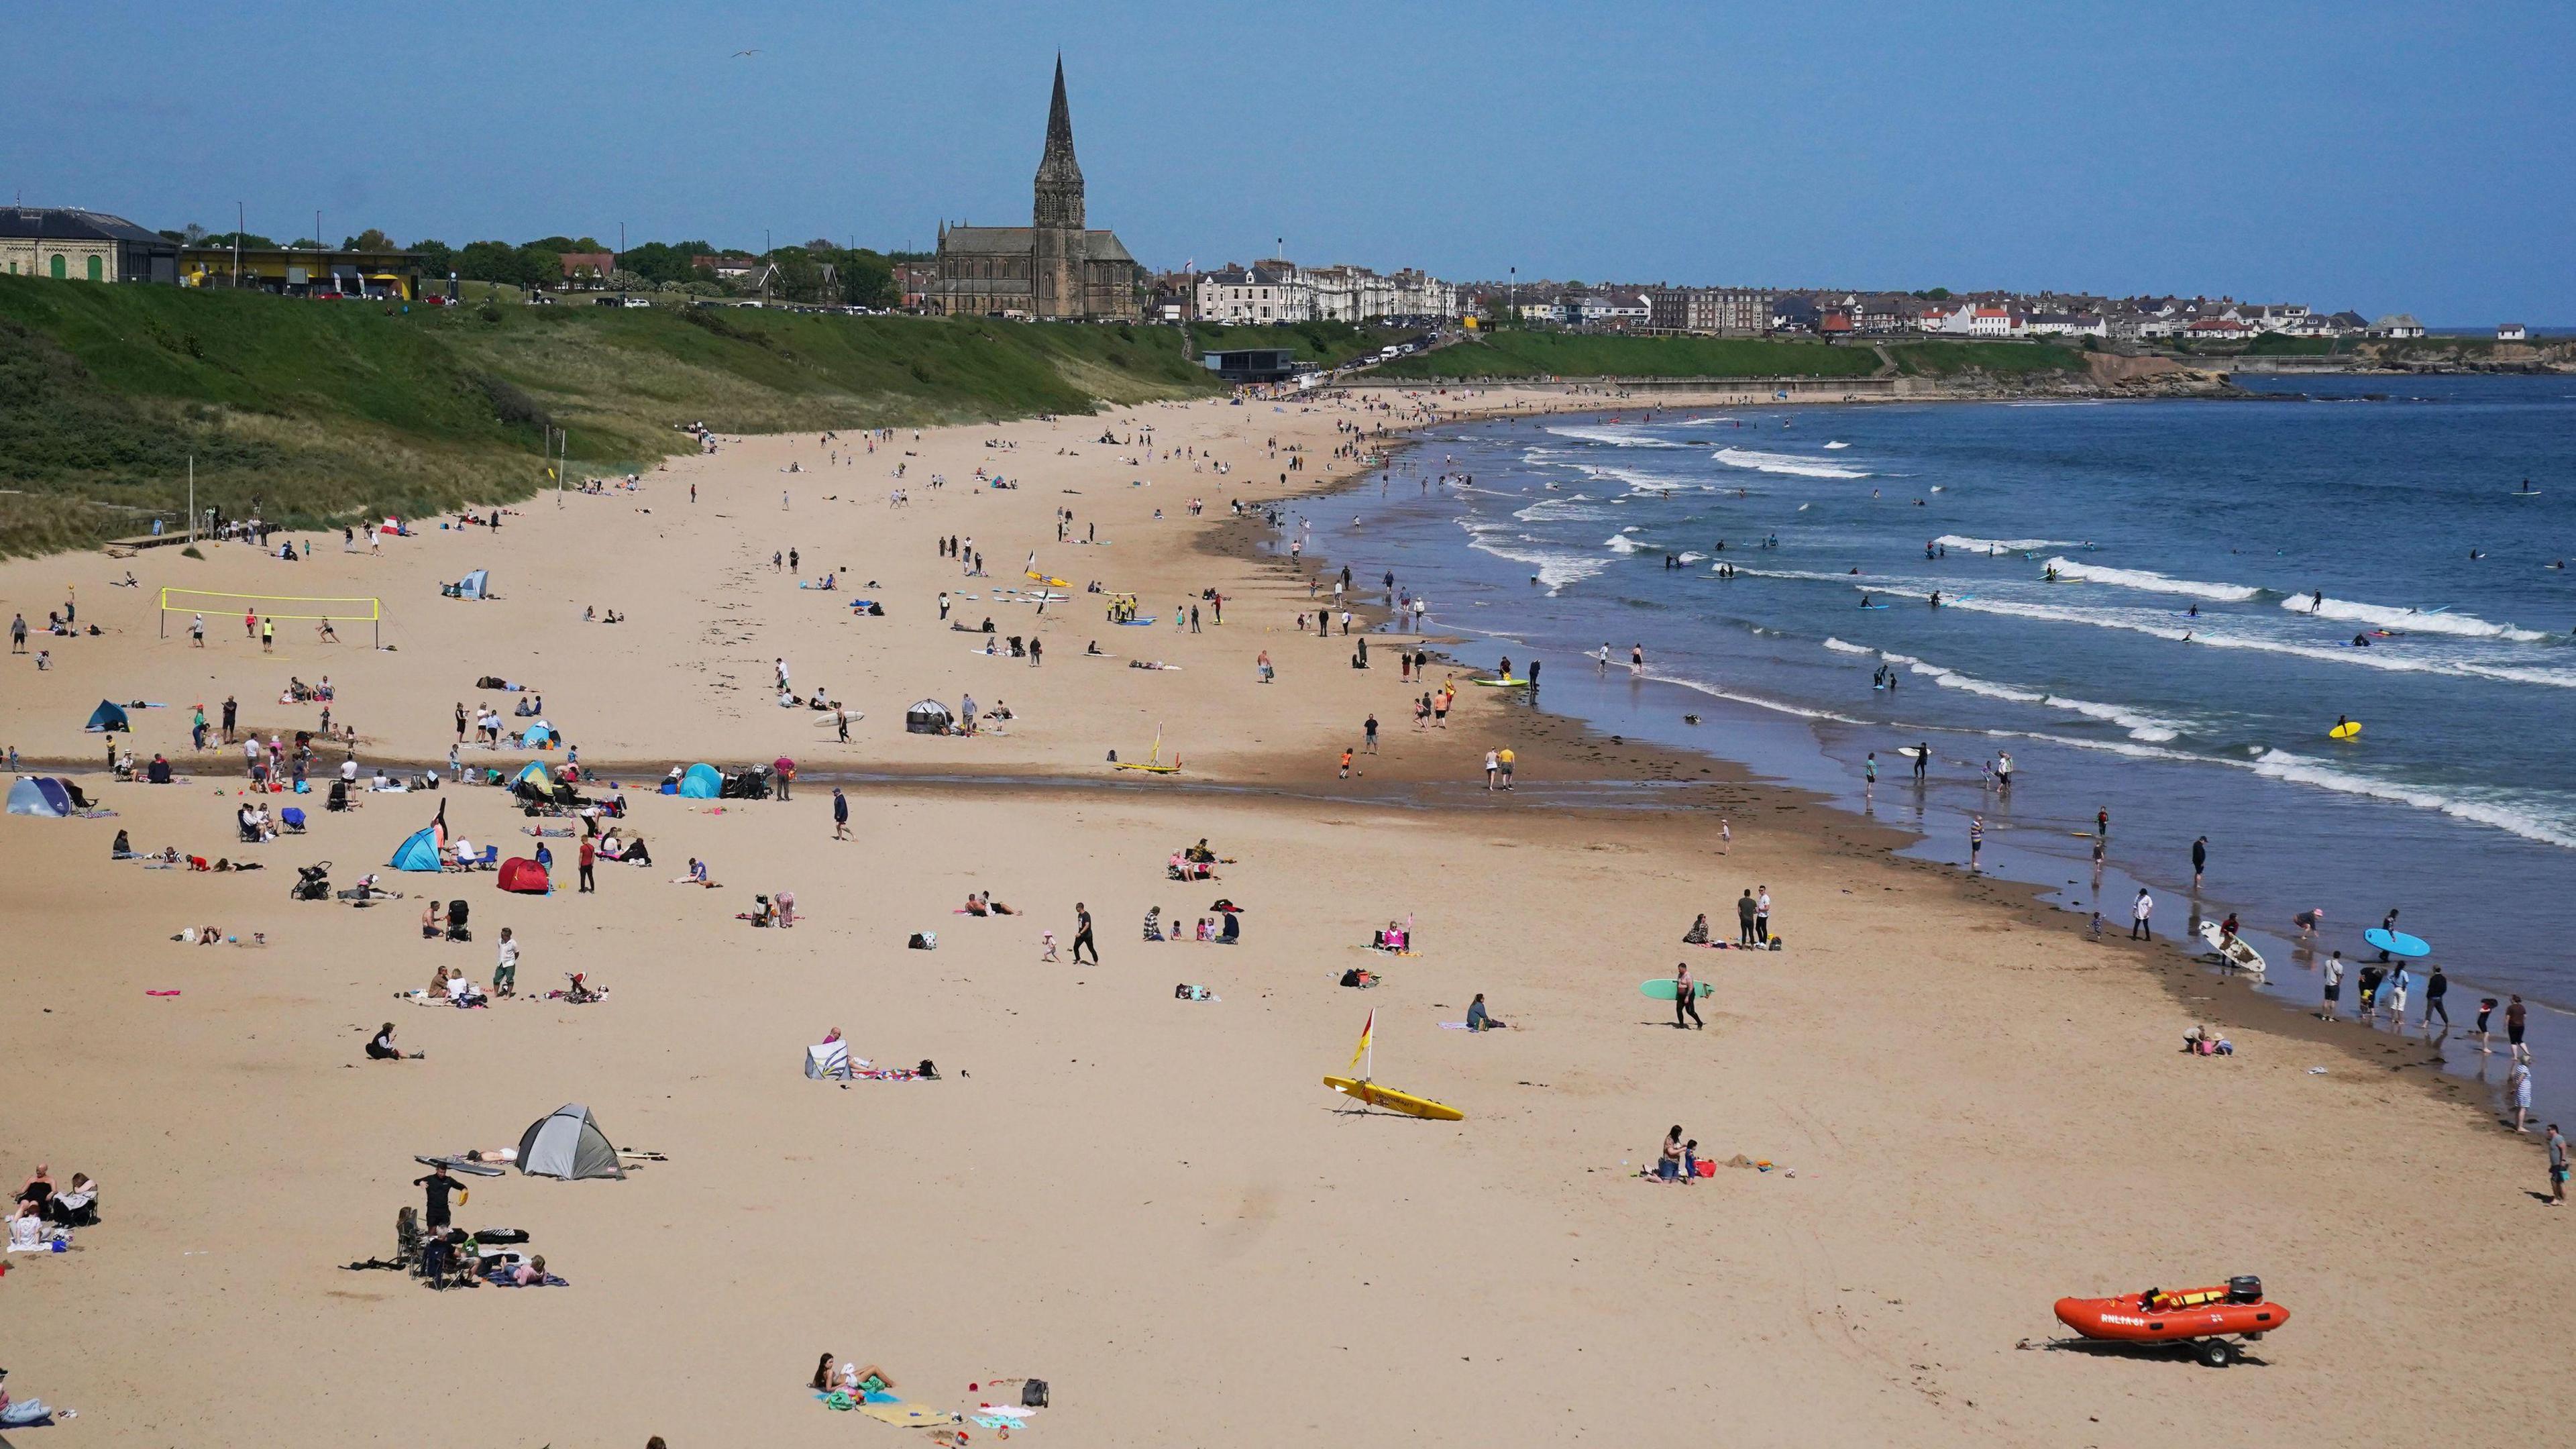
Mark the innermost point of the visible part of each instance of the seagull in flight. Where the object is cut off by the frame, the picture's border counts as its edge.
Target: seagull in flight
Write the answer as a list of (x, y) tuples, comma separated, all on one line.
[(740, 53)]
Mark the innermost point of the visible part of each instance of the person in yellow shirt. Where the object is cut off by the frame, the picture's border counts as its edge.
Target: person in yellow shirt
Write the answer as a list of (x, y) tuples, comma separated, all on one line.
[(1503, 757)]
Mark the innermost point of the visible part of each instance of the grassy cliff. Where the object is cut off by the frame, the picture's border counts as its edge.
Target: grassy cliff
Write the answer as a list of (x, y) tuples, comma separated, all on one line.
[(323, 410)]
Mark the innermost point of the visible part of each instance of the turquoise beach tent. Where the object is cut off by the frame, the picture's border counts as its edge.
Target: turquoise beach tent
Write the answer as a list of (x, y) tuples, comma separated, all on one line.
[(108, 718), (419, 852), (534, 770), (29, 797), (701, 783), (538, 734)]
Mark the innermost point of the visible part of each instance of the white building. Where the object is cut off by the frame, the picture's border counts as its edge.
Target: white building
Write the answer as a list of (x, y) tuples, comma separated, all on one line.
[(2398, 325), (2513, 332), (1255, 296), (2066, 324)]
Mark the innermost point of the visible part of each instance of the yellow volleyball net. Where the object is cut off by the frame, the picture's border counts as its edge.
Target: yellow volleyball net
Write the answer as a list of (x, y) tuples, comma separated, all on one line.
[(367, 610)]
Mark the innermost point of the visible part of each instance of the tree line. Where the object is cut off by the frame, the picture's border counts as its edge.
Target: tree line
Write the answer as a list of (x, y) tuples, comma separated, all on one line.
[(819, 272)]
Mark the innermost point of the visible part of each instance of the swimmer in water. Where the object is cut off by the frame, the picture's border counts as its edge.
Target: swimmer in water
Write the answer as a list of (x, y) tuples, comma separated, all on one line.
[(2193, 612), (1936, 598)]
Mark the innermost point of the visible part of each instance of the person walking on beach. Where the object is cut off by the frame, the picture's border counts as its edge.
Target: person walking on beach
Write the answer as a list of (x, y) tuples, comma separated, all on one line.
[(1082, 934), (589, 861), (2437, 986), (1506, 759), (1922, 759), (1744, 910), (2140, 911), (232, 717), (2557, 1167), (505, 966), (1869, 770), (840, 814), (2199, 860), (1976, 839), (2387, 923), (1685, 998), (2399, 980), (2518, 1092), (2102, 823), (2003, 771), (268, 636), (18, 634), (1493, 767), (2334, 985), (197, 631), (2513, 1020)]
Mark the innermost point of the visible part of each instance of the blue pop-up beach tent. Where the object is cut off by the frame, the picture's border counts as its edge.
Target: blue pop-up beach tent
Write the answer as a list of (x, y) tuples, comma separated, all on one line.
[(418, 852), (108, 718), (28, 796), (538, 734), (702, 782), (477, 585)]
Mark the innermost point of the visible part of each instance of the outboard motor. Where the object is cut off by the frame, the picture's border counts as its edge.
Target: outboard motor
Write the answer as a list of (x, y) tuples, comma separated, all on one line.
[(2245, 1288)]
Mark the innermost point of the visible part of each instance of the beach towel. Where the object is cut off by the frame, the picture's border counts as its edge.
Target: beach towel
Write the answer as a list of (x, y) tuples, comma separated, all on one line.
[(909, 1416)]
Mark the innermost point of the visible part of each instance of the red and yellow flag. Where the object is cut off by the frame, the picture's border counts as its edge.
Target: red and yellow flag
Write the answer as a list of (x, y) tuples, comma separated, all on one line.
[(1361, 1050)]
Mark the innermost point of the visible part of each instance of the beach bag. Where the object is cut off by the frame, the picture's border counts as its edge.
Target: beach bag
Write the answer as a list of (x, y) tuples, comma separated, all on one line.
[(1033, 1394), (923, 941)]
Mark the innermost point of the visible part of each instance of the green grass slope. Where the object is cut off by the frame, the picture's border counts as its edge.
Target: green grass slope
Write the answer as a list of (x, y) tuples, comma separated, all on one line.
[(316, 411), (2009, 359)]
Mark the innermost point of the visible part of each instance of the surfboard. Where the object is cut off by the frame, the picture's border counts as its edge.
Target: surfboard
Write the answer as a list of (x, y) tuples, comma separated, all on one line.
[(1135, 623), (2240, 955), (1908, 751), (1499, 683), (1373, 1095), (459, 1164), (1873, 606), (2527, 492), (1662, 989), (2396, 943), (2347, 730)]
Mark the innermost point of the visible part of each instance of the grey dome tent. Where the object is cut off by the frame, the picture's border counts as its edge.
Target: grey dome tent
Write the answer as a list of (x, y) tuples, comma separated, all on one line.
[(929, 717), (566, 1143)]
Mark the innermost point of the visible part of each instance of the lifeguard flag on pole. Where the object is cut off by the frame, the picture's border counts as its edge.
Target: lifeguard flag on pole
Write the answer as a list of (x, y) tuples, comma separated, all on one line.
[(1362, 1049)]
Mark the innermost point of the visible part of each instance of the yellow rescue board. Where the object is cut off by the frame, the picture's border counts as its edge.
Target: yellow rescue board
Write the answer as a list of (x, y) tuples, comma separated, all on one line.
[(1371, 1094), (2344, 731)]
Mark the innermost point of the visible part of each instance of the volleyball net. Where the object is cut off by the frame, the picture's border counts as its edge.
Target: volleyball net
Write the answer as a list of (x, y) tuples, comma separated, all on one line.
[(361, 610)]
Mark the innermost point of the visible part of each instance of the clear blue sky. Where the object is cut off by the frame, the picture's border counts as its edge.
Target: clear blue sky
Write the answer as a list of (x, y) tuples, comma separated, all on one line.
[(2365, 155)]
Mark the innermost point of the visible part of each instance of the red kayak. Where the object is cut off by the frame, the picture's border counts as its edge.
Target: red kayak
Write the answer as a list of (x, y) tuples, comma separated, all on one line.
[(2205, 1316)]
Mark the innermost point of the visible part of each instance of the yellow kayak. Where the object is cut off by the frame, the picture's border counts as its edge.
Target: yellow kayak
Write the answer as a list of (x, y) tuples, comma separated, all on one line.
[(1373, 1095)]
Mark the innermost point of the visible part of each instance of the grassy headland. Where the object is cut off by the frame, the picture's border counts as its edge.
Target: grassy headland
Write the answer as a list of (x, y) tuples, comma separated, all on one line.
[(324, 411), (1515, 353)]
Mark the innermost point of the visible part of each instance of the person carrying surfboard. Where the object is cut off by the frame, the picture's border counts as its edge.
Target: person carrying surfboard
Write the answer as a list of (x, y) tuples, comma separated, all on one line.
[(1685, 997)]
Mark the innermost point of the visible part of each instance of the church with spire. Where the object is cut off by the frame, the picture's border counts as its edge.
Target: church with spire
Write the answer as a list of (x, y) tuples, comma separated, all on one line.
[(1056, 268)]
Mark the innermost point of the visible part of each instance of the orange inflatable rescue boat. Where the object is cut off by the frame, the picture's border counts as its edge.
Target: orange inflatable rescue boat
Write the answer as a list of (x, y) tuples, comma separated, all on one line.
[(2204, 1317)]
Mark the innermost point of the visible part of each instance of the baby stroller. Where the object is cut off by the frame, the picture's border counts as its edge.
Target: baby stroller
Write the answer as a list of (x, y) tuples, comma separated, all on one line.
[(339, 798), (456, 928), (312, 883)]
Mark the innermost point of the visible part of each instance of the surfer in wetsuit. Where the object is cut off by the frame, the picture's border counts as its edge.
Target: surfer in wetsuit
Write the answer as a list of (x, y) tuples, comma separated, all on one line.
[(1864, 601), (1922, 757), (1936, 598), (2192, 613)]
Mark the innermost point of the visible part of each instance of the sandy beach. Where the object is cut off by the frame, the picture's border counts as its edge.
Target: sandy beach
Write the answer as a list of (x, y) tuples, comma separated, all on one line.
[(1151, 1203)]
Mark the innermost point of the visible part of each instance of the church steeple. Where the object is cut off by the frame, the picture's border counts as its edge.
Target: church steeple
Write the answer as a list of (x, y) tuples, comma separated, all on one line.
[(1059, 180)]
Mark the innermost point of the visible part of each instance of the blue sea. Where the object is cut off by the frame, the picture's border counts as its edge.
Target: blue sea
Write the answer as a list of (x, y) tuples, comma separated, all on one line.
[(2230, 579)]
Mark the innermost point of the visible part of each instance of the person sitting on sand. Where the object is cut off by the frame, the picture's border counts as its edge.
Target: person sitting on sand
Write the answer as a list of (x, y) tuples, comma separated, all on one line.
[(1153, 923), (697, 875), (77, 1208), (26, 1229), (1479, 1019), (1697, 935), (1201, 853), (974, 905), (579, 991), (382, 1048), (123, 849), (1668, 1167)]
